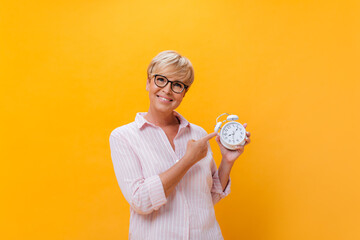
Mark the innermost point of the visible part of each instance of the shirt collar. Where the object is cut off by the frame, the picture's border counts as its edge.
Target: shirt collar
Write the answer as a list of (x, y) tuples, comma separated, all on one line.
[(141, 121)]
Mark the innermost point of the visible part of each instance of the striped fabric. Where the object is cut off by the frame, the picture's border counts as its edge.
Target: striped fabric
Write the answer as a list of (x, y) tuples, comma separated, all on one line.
[(140, 151)]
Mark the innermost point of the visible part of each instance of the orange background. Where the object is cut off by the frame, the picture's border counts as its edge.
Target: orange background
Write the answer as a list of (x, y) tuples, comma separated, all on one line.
[(72, 71)]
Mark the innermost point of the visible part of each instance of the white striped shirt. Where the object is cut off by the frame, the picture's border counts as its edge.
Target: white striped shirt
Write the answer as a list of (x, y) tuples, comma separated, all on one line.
[(140, 151)]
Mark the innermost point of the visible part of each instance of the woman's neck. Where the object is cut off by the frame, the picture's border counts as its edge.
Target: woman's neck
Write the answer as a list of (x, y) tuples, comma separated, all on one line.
[(161, 119)]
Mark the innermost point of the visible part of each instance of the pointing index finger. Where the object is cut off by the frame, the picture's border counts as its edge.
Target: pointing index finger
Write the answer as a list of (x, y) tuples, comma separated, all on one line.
[(209, 136)]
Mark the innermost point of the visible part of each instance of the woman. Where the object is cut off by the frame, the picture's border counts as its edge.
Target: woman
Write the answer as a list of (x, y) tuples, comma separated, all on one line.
[(164, 165)]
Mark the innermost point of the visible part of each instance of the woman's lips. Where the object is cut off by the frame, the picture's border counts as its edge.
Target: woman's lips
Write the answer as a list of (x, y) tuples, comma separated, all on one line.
[(164, 99)]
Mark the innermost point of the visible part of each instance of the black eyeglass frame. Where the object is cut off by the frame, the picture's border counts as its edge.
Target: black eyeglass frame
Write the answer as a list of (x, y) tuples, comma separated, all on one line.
[(171, 82)]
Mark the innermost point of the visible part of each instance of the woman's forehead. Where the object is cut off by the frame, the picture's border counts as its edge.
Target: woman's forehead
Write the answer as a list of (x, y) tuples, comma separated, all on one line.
[(170, 72)]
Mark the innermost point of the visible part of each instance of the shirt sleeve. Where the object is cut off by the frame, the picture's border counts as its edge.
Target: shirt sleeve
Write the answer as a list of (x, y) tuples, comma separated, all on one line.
[(143, 194)]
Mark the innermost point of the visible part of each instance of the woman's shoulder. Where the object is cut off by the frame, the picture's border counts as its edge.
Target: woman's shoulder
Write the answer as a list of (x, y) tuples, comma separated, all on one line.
[(123, 130)]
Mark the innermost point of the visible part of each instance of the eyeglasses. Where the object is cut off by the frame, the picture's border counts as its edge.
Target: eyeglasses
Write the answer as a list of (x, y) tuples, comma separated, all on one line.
[(176, 86)]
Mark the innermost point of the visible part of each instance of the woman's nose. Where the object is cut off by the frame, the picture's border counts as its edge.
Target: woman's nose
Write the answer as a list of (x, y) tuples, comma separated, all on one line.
[(167, 88)]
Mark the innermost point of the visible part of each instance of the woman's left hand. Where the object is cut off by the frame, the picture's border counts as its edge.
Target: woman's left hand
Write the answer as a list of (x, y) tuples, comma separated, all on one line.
[(231, 155)]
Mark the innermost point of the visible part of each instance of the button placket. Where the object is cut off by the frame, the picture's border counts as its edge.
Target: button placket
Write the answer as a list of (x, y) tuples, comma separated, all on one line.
[(168, 145), (177, 148)]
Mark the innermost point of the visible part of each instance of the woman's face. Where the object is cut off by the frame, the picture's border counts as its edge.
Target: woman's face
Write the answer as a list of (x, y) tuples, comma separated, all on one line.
[(164, 99)]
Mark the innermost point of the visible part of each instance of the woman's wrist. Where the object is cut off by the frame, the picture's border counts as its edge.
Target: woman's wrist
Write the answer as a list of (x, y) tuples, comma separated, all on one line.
[(227, 162), (188, 161)]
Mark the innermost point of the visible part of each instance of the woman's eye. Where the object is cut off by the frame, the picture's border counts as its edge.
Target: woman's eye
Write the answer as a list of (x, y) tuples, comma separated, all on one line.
[(178, 85), (161, 79)]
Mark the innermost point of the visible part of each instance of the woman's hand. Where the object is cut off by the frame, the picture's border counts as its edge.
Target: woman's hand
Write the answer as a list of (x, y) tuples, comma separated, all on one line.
[(197, 149), (231, 155)]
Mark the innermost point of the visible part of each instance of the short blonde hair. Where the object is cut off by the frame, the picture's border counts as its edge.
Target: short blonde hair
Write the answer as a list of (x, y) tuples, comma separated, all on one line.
[(181, 65)]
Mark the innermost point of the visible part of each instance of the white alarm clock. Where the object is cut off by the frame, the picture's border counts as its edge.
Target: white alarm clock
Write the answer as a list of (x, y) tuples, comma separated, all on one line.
[(232, 134)]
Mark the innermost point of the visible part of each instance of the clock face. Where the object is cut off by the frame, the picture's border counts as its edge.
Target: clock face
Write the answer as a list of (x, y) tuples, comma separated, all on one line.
[(233, 133)]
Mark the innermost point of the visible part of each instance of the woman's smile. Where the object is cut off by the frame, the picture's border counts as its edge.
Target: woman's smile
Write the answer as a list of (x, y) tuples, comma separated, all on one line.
[(164, 99)]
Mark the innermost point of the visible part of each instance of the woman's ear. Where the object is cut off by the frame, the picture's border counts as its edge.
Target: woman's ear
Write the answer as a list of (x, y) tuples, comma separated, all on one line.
[(147, 85)]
